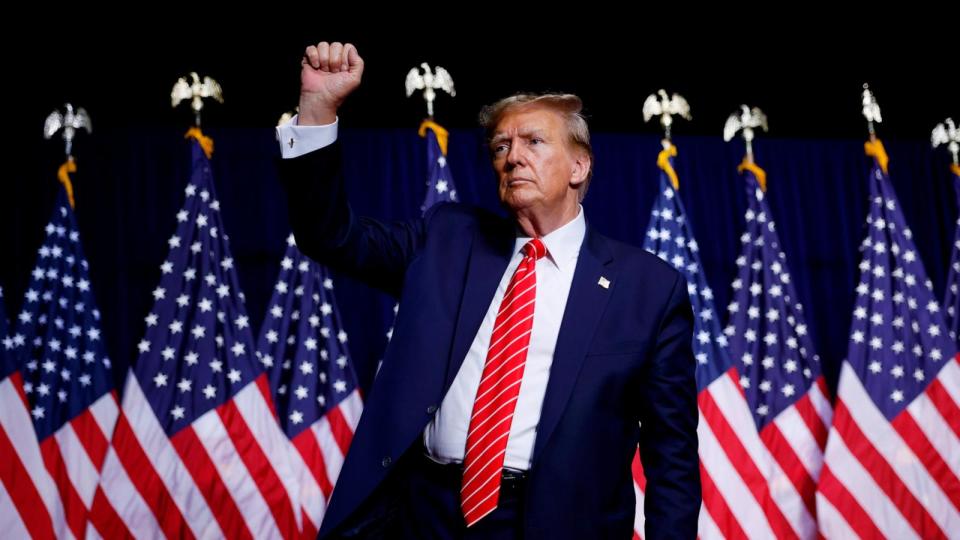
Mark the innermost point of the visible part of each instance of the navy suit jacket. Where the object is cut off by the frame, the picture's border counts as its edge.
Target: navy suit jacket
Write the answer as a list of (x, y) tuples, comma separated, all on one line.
[(622, 373)]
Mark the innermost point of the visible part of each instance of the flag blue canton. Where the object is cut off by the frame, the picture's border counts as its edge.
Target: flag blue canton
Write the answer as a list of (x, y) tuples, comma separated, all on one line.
[(898, 339), (769, 339), (951, 301), (58, 343), (670, 237), (440, 186), (197, 351), (302, 344)]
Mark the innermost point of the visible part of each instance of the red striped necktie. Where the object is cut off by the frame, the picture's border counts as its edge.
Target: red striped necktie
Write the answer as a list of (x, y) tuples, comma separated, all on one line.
[(499, 388)]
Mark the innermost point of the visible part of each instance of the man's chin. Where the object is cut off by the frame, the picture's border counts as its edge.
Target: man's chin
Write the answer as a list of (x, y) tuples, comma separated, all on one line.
[(516, 202), (517, 197)]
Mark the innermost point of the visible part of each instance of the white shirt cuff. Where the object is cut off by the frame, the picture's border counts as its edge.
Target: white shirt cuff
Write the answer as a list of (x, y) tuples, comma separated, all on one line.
[(296, 140)]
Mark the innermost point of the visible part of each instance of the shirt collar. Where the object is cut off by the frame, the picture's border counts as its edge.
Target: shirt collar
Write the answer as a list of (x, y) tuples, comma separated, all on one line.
[(563, 244)]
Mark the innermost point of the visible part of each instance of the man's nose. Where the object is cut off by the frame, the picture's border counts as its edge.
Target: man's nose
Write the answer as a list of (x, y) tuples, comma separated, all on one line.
[(515, 156)]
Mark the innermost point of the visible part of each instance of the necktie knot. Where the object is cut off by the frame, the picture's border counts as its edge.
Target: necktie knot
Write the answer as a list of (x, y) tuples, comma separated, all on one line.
[(535, 248)]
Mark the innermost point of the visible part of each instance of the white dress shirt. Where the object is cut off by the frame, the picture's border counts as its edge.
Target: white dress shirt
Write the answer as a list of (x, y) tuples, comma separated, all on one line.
[(296, 140), (446, 435)]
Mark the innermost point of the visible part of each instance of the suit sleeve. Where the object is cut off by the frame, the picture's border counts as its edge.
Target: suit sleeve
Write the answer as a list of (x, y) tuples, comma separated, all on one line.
[(327, 230), (668, 429)]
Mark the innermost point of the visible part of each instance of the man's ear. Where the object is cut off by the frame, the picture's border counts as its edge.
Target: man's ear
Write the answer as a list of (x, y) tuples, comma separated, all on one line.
[(581, 168)]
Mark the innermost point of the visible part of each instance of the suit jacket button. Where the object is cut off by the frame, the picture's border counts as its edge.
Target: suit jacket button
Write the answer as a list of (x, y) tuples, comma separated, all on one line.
[(386, 462), (431, 409)]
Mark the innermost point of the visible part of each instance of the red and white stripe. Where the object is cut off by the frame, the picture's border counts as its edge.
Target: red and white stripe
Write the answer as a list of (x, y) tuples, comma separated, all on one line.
[(74, 456), (796, 439), (317, 456), (755, 485), (899, 478), (226, 475), (30, 505)]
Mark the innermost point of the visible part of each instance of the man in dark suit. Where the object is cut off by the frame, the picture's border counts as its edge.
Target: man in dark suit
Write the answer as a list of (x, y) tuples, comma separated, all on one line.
[(530, 354)]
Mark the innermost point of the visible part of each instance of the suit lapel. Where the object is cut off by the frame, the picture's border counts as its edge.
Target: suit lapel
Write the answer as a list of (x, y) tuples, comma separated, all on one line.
[(490, 253), (585, 305)]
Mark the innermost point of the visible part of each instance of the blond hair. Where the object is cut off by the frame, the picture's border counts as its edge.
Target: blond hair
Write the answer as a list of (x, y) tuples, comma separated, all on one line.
[(568, 106)]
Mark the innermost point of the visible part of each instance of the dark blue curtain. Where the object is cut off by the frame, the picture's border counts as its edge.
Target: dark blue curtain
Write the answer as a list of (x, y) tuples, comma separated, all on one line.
[(130, 185)]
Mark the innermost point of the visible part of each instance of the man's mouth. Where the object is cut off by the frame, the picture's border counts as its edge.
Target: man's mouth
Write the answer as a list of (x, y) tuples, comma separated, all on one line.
[(513, 182)]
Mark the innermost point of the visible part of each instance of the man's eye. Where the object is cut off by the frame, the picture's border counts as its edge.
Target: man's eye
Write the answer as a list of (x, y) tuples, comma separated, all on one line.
[(536, 140), (499, 148)]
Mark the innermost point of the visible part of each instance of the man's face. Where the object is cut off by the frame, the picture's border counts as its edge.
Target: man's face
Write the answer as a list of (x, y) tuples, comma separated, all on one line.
[(537, 168)]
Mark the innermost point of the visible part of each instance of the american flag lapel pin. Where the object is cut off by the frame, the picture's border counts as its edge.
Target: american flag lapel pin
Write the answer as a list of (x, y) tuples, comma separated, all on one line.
[(604, 282)]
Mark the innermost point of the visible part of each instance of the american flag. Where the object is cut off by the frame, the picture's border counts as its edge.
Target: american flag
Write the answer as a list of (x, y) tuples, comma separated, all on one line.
[(952, 298), (736, 468), (440, 186), (197, 450), (67, 377), (893, 453), (303, 347), (779, 370), (29, 503)]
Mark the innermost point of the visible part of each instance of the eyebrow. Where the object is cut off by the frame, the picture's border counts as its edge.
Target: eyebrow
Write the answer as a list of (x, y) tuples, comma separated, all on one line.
[(501, 136)]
